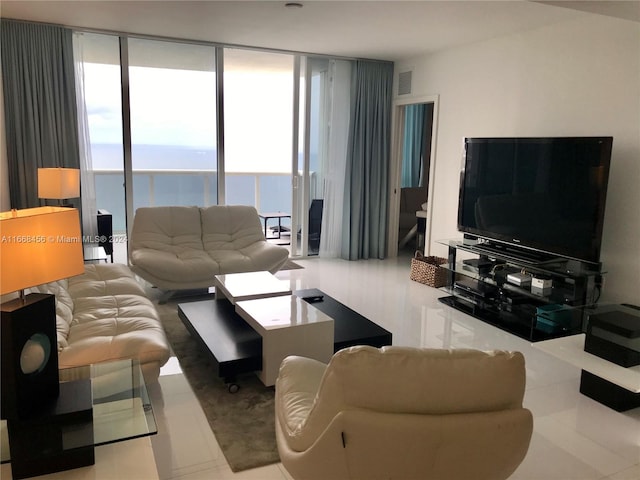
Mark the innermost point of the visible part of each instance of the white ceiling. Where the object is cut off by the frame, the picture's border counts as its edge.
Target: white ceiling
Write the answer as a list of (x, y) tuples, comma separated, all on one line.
[(389, 30)]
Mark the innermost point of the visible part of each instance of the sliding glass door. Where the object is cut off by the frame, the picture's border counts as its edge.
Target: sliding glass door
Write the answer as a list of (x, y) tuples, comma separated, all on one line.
[(323, 121), (159, 111)]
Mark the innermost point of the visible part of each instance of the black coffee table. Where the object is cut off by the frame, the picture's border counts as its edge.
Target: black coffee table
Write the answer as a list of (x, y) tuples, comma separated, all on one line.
[(235, 348), (351, 328)]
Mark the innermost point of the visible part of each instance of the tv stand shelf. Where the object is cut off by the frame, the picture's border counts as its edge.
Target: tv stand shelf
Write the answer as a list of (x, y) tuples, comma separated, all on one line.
[(525, 256), (479, 287)]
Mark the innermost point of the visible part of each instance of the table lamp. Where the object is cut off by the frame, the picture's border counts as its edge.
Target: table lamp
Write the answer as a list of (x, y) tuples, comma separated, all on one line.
[(58, 184), (37, 246)]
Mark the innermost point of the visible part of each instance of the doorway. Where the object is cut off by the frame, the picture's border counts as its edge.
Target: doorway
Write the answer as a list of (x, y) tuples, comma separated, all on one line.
[(413, 154)]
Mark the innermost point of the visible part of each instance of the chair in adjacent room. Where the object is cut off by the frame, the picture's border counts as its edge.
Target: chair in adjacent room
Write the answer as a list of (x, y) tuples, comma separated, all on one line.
[(400, 412), (315, 226), (411, 200)]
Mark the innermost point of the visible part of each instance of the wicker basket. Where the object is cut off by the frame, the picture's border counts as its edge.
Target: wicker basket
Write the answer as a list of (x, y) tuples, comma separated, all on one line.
[(427, 270)]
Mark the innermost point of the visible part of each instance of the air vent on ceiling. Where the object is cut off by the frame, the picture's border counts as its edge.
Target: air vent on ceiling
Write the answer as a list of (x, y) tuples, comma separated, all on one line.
[(404, 83)]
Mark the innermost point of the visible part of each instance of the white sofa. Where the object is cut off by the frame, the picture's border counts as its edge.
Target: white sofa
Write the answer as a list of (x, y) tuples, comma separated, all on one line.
[(404, 413), (104, 315), (181, 248)]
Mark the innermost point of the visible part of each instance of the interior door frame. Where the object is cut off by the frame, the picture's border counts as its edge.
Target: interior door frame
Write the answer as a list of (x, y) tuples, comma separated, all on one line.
[(397, 122)]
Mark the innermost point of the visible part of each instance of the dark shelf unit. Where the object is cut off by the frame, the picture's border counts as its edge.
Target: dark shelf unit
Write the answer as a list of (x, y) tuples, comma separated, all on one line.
[(559, 312), (105, 232)]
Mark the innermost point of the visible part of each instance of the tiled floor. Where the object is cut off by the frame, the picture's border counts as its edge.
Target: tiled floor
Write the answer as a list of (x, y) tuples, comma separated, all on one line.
[(574, 437)]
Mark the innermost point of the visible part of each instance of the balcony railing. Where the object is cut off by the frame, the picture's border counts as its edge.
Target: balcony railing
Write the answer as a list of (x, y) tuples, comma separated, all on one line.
[(267, 191)]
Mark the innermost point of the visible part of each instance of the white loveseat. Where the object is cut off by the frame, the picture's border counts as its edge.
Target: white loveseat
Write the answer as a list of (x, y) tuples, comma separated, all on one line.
[(181, 248), (104, 315)]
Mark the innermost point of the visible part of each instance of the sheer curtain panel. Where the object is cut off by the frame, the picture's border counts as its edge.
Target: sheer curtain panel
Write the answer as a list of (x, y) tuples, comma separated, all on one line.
[(367, 172), (87, 177), (40, 104), (333, 194)]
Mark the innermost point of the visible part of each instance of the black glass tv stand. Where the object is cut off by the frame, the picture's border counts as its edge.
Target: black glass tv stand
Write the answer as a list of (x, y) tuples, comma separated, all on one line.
[(557, 309)]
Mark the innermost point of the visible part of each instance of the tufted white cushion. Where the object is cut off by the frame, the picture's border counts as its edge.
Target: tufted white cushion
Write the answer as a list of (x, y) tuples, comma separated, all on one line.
[(230, 227), (166, 247), (104, 279), (233, 238), (114, 327)]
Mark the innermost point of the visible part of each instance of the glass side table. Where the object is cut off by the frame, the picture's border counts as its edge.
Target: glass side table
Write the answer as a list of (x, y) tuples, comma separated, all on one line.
[(121, 406)]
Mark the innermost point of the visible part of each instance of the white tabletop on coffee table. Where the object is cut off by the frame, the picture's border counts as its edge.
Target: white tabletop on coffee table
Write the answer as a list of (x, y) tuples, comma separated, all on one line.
[(288, 325), (249, 285)]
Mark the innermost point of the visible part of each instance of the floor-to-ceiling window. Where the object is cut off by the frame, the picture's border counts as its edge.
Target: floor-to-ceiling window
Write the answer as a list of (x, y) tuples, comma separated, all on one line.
[(172, 90), (258, 103), (173, 123)]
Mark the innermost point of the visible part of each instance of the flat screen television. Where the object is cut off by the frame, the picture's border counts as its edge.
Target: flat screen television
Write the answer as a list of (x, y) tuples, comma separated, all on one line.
[(538, 194)]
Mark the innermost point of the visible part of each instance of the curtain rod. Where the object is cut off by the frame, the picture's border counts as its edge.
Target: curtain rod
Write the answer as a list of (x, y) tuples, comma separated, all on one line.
[(196, 42)]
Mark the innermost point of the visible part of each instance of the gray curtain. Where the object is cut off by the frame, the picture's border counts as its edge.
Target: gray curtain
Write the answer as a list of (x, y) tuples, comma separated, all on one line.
[(40, 104), (364, 229)]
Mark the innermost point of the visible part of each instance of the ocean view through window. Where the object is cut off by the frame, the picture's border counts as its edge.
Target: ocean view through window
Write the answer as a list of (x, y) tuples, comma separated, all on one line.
[(173, 123), (158, 182)]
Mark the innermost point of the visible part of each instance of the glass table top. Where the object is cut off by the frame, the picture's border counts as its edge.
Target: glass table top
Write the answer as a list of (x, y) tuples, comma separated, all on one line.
[(121, 406)]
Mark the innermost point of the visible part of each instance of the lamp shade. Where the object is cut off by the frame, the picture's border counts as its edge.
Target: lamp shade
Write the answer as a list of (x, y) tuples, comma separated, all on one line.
[(39, 245), (58, 183)]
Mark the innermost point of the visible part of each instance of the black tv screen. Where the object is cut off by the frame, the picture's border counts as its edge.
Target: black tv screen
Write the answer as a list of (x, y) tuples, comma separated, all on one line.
[(546, 194)]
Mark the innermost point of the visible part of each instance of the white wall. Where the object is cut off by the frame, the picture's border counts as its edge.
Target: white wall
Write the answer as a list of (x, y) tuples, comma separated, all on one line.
[(576, 78)]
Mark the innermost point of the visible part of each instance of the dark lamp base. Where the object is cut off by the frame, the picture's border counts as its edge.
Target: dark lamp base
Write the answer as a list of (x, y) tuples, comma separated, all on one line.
[(28, 388), (56, 439)]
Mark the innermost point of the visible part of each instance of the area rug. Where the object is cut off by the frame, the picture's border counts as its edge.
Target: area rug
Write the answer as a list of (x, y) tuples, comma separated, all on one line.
[(291, 265), (243, 422)]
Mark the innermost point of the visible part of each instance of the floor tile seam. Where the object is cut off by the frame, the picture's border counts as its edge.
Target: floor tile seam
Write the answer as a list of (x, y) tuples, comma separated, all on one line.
[(583, 439), (532, 388), (562, 418), (180, 472), (177, 399), (613, 475), (286, 475)]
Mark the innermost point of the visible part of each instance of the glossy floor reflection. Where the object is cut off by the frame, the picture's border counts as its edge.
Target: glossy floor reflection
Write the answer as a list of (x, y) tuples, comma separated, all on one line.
[(575, 438)]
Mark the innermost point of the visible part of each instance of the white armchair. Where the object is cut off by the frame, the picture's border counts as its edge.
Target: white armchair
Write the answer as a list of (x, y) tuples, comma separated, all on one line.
[(403, 413)]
